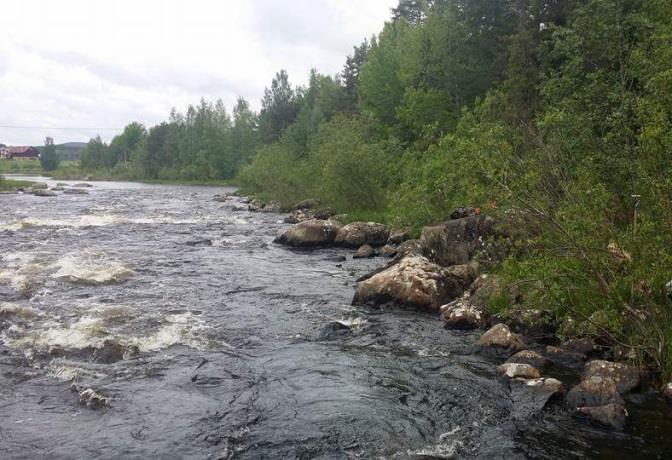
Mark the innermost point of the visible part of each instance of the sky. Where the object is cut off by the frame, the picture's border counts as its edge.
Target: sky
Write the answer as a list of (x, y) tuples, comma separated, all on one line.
[(72, 69)]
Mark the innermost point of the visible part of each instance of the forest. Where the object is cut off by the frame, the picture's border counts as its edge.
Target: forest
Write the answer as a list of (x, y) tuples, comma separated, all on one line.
[(558, 112)]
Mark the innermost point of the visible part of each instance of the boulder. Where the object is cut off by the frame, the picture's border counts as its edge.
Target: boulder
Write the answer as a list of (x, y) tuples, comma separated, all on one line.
[(259, 206), (39, 186), (501, 341), (413, 282), (358, 233), (62, 184), (610, 415), (583, 346), (310, 233), (324, 213), (530, 357), (365, 251), (298, 216), (595, 391), (625, 377), (222, 198), (456, 242), (460, 314), (57, 189), (409, 248), (388, 251), (399, 236), (83, 185), (516, 370), (305, 205), (45, 193)]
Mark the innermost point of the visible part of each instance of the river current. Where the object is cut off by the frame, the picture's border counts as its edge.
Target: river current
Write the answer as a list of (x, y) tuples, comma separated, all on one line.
[(147, 321)]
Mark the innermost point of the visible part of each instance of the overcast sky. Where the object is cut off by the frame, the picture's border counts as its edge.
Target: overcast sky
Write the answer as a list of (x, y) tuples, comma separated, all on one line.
[(95, 66)]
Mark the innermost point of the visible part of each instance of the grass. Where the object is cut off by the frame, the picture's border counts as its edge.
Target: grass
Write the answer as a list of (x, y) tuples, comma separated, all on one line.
[(8, 185)]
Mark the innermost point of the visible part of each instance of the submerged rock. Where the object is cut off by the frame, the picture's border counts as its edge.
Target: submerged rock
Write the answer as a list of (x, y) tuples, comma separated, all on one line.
[(625, 377), (333, 330), (460, 314), (517, 370), (310, 233), (93, 400), (358, 233), (44, 193), (530, 357), (610, 415), (594, 391), (501, 341), (414, 282), (75, 191), (530, 396), (365, 252)]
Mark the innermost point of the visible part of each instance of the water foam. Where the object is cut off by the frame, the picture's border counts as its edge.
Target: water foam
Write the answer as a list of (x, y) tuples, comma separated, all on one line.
[(91, 267)]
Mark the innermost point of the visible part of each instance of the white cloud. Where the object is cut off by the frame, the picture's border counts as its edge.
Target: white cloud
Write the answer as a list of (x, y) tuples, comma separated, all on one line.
[(86, 64)]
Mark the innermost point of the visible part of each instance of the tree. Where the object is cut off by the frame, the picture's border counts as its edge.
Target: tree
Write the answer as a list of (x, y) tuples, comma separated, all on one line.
[(48, 158), (279, 108)]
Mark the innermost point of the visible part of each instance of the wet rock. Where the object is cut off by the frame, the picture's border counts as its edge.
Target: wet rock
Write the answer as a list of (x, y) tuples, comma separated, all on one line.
[(456, 242), (530, 396), (44, 193), (195, 243), (399, 236), (83, 185), (239, 208), (310, 233), (62, 184), (625, 377), (92, 399), (595, 391), (610, 415), (75, 191), (532, 323), (365, 252), (517, 370), (583, 346), (112, 352), (388, 251), (358, 233), (530, 357), (500, 341), (413, 282), (259, 206), (222, 198), (565, 358), (333, 330), (337, 258), (461, 213), (460, 314), (57, 189)]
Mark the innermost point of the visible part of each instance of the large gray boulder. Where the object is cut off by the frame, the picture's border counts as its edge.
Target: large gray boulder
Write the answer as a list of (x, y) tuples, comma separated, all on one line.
[(357, 234), (625, 377), (310, 233), (415, 282), (457, 241)]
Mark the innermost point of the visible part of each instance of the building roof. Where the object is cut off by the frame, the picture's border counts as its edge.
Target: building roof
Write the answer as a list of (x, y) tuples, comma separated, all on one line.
[(20, 150)]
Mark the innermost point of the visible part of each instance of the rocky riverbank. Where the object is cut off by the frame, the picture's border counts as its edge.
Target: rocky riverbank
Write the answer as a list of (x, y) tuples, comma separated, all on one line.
[(445, 271)]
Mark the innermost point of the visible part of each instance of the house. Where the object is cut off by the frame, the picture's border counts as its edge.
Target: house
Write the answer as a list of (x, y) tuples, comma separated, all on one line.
[(4, 153), (21, 153)]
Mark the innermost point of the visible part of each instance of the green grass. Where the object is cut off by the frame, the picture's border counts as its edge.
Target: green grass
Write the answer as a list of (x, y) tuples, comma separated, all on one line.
[(8, 185)]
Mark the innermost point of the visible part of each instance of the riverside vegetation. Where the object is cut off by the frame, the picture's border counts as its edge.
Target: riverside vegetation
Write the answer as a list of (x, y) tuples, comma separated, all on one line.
[(558, 112)]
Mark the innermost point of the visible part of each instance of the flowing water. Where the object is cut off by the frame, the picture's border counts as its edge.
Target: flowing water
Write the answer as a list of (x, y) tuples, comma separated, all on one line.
[(152, 321)]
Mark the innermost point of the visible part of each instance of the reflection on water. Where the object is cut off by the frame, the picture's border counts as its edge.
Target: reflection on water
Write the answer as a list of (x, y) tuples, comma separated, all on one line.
[(143, 320)]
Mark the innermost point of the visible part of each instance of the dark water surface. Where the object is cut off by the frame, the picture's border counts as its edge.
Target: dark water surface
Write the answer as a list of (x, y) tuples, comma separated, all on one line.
[(209, 341)]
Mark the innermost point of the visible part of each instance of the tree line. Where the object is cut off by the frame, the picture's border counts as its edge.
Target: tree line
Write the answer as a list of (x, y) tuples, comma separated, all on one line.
[(555, 111)]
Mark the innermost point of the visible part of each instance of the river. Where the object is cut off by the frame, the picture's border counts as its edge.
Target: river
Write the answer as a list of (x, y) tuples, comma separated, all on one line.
[(206, 340)]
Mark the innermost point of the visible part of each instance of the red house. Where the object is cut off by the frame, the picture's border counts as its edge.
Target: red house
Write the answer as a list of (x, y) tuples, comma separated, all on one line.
[(22, 153)]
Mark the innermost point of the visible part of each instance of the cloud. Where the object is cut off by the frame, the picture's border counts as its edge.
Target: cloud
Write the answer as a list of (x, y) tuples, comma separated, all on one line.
[(83, 64)]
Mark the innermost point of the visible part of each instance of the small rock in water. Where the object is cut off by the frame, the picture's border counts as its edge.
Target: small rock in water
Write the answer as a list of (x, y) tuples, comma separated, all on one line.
[(83, 185), (595, 391), (530, 357), (365, 252), (90, 398), (530, 396), (515, 370), (75, 191), (333, 330), (362, 233), (460, 314), (501, 341), (44, 193), (610, 415)]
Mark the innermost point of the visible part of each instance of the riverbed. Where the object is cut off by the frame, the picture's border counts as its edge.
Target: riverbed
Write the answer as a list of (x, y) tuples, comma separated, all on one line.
[(204, 339)]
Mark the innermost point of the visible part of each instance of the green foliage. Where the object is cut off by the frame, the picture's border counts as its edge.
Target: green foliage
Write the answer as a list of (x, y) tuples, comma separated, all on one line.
[(48, 157)]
